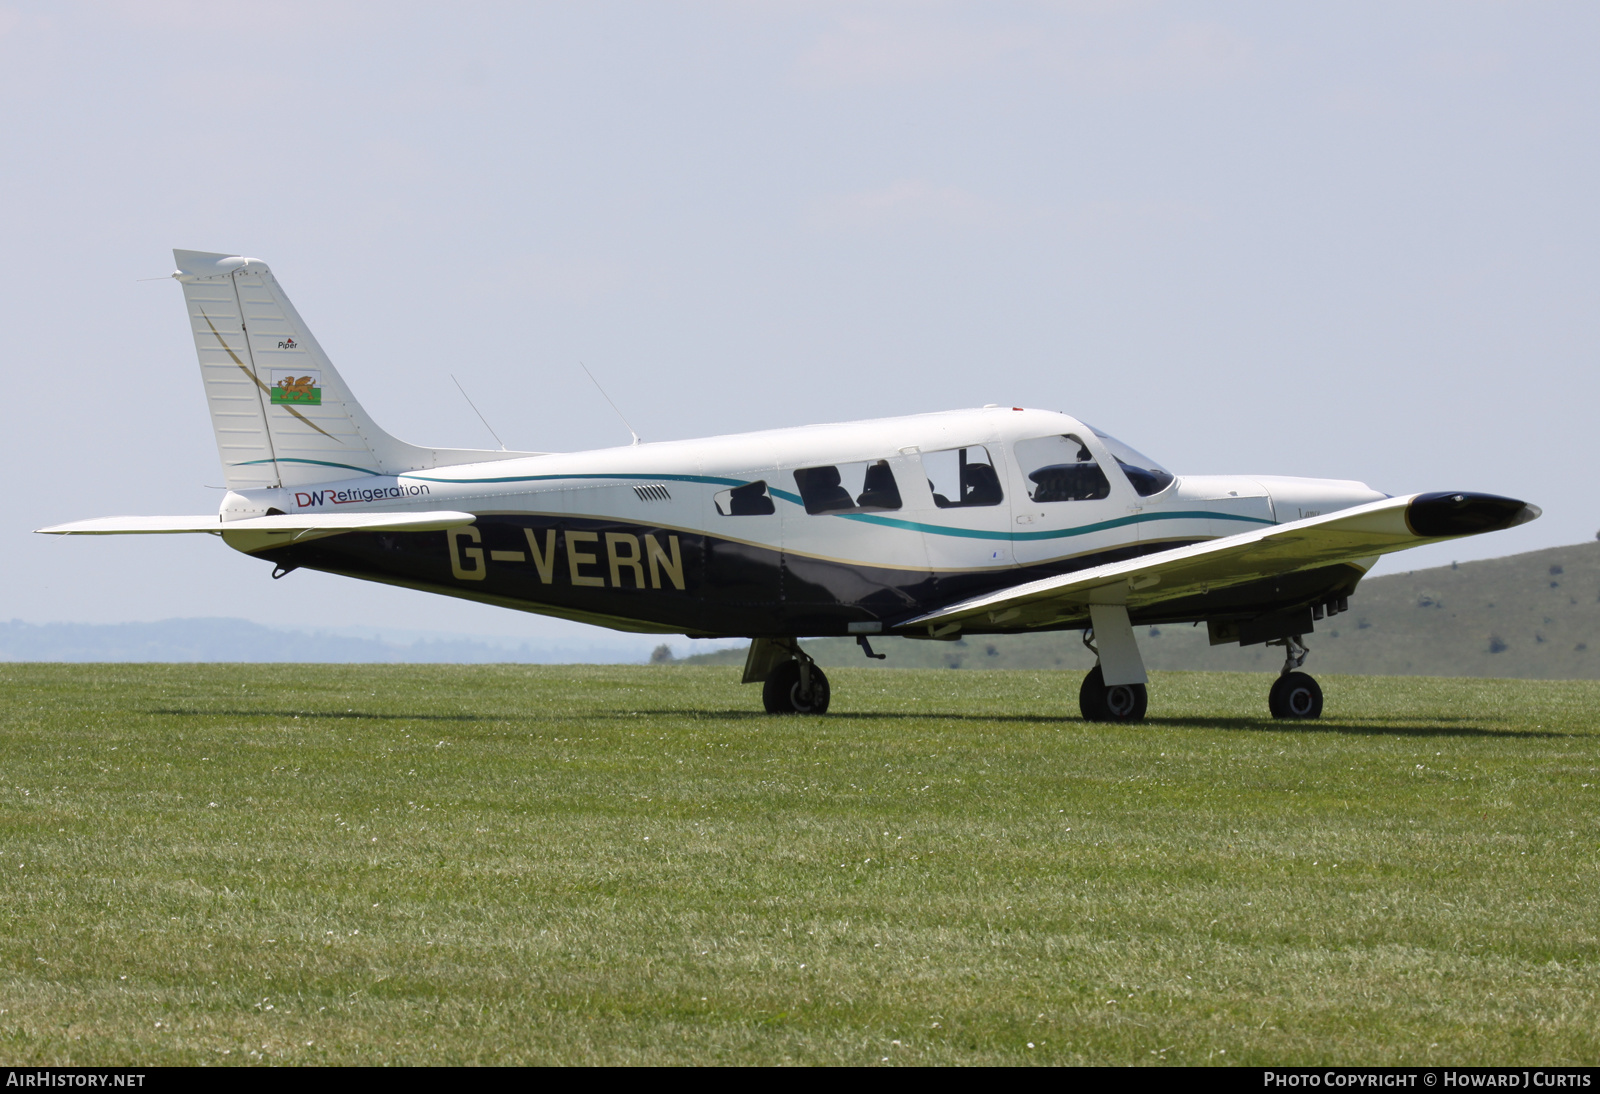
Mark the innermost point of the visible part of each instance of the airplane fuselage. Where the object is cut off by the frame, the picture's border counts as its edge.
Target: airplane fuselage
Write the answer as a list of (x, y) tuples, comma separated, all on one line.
[(839, 529)]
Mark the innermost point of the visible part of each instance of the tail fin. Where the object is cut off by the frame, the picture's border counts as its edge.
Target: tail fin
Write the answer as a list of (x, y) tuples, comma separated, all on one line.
[(282, 414)]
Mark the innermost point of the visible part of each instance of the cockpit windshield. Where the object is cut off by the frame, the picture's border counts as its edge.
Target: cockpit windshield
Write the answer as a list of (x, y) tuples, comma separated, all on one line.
[(1147, 476)]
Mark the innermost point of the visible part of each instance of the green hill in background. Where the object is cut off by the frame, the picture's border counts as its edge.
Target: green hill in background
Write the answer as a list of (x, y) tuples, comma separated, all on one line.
[(1528, 616)]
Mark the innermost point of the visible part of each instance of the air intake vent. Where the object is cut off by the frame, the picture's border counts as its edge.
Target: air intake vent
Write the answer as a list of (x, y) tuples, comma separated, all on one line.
[(652, 493)]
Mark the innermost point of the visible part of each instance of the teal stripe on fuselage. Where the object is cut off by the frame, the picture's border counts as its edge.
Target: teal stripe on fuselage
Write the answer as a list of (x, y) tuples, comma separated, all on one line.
[(887, 522), (1081, 530), (549, 478)]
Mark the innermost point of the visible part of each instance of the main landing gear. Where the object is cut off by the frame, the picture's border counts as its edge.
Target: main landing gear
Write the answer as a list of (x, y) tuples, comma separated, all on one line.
[(1294, 694), (1102, 702), (796, 687), (1116, 703), (791, 682)]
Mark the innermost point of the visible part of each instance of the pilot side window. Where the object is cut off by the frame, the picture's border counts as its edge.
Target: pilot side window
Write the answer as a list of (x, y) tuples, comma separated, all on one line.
[(1061, 468), (961, 477), (749, 500), (848, 487)]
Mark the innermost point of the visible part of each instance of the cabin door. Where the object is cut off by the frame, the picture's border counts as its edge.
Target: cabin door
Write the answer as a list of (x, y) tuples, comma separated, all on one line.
[(1073, 507)]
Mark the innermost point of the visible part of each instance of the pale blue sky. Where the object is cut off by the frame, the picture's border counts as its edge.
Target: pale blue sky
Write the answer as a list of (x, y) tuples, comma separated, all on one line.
[(1354, 240)]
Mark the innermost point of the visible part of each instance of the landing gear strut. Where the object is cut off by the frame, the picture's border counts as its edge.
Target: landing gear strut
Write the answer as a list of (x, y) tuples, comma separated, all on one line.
[(1100, 702), (1294, 694)]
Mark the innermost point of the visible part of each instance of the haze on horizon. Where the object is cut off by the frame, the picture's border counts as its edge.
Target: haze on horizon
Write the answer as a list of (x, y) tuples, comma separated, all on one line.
[(1259, 238)]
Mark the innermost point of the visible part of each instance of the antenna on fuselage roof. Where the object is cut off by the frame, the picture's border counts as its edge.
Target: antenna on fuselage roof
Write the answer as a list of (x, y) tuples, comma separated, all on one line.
[(607, 398), (478, 412)]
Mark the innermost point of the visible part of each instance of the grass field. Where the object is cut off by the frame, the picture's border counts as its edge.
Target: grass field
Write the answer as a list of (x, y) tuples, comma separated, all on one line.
[(519, 864)]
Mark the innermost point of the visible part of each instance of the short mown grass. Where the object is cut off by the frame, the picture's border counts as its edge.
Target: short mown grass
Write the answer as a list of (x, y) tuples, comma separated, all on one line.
[(524, 864)]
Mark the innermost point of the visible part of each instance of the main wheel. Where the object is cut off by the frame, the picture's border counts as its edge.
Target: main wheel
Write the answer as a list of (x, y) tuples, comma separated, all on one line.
[(1118, 703), (1295, 695), (781, 694)]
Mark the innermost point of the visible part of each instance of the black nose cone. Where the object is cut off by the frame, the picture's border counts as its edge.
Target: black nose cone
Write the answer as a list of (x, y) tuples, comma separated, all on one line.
[(1462, 514)]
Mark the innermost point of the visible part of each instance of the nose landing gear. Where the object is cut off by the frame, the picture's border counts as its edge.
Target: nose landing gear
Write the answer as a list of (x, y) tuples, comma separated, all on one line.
[(1294, 694)]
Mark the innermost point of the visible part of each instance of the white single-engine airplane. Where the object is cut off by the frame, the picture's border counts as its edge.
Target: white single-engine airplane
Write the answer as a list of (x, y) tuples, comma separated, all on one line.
[(999, 520)]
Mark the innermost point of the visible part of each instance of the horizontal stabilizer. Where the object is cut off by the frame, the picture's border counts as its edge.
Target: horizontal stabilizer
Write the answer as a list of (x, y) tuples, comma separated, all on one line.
[(431, 521)]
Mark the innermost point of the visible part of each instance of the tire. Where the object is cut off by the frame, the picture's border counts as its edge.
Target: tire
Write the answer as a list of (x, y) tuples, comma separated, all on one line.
[(1092, 697), (1295, 695), (1122, 703), (781, 693)]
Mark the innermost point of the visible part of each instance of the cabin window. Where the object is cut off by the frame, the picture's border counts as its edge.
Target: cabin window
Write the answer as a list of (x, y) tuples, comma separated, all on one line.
[(1061, 468), (1147, 476), (749, 500), (848, 487), (961, 477)]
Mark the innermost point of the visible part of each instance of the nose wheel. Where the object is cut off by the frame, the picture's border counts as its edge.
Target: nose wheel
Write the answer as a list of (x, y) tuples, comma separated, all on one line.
[(1295, 694), (1117, 703)]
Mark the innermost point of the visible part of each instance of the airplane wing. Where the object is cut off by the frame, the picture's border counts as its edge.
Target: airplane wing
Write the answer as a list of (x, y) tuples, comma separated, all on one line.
[(1349, 535), (323, 524)]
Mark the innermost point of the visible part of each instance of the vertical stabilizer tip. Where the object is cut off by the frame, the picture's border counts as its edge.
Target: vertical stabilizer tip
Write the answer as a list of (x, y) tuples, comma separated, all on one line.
[(197, 265)]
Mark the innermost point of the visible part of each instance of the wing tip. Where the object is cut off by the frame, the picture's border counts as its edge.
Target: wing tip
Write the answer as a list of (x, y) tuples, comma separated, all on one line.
[(1444, 514)]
